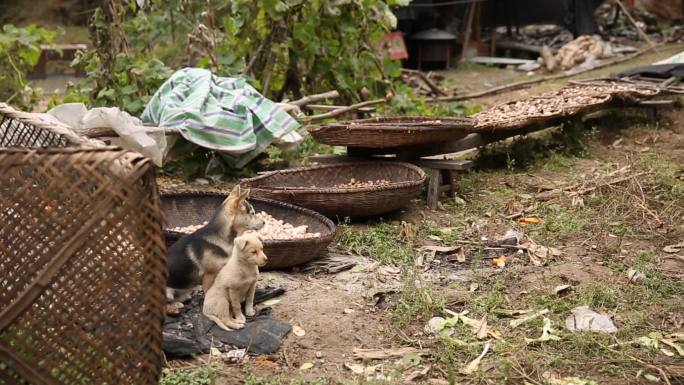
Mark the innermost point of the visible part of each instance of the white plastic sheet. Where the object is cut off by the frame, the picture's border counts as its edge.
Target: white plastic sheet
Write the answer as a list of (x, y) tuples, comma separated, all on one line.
[(132, 134)]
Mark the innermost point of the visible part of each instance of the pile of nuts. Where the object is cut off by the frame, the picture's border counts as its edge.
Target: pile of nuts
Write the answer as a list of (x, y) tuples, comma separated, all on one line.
[(354, 183), (188, 229), (278, 229), (567, 100), (273, 229)]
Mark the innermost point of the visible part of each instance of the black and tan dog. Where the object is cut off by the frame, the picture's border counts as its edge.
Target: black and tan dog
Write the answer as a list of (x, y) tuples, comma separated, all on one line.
[(196, 258)]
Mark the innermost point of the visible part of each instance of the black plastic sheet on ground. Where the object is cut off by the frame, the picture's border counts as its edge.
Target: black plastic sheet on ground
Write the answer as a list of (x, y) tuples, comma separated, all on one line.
[(192, 333)]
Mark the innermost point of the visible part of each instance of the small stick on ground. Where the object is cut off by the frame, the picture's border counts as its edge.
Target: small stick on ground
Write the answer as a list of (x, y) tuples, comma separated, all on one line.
[(433, 87), (661, 371)]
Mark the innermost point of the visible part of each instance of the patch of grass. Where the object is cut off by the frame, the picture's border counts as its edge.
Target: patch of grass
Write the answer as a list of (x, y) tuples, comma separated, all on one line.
[(667, 176), (382, 242), (447, 234), (559, 149), (196, 376), (491, 299), (559, 223), (417, 300)]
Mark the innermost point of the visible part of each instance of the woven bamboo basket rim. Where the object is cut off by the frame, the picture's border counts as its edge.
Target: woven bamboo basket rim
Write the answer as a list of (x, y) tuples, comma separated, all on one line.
[(334, 190), (324, 238), (56, 127), (401, 123), (603, 99)]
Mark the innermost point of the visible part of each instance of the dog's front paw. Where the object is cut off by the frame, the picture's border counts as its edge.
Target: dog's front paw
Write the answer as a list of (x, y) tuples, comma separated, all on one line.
[(250, 312), (241, 318)]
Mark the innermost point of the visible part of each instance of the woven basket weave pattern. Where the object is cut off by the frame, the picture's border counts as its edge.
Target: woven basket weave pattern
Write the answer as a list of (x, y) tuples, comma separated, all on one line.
[(193, 207), (391, 132), (313, 187), (82, 269)]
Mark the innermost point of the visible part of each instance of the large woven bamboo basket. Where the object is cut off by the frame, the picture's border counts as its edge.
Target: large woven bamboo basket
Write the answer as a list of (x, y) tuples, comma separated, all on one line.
[(314, 187), (392, 131), (183, 209), (82, 270)]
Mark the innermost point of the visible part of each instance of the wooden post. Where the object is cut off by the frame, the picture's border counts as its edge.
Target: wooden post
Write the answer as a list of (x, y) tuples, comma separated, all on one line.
[(434, 184), (468, 31)]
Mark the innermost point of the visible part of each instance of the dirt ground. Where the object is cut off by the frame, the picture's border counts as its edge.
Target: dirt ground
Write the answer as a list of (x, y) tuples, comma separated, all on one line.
[(601, 229)]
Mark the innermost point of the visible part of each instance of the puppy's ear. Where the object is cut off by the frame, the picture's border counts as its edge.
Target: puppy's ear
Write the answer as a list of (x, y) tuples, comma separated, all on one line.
[(241, 243)]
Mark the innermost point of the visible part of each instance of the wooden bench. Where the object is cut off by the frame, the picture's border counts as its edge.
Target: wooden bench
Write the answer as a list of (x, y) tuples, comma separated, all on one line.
[(442, 174), (52, 53)]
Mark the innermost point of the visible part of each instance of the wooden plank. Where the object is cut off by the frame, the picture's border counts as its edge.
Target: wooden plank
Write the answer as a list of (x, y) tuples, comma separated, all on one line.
[(419, 151), (508, 44), (500, 60), (656, 103), (444, 164)]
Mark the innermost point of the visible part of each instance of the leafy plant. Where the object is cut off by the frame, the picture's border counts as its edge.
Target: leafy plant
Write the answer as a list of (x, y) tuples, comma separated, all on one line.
[(287, 48), (129, 85), (201, 376), (19, 53)]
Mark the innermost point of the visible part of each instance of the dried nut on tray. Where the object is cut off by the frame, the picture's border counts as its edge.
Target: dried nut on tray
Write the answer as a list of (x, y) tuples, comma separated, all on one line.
[(278, 229), (273, 229), (188, 229), (354, 183)]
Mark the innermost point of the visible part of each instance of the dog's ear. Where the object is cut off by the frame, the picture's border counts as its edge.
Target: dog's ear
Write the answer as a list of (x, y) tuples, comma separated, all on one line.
[(233, 200), (236, 191), (244, 193), (241, 243)]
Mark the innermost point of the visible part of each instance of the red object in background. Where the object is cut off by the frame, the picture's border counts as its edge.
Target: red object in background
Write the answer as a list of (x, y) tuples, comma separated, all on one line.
[(393, 43), (628, 3)]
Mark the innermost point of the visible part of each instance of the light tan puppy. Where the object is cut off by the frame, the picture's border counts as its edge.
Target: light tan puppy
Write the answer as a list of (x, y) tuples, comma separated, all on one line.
[(236, 280)]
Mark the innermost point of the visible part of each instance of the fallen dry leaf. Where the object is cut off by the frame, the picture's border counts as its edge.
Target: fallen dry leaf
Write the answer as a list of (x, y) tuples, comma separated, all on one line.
[(671, 344), (666, 352), (298, 331), (635, 275), (474, 286), (676, 248), (440, 249), (481, 331), (540, 255), (271, 302), (529, 221), (264, 362), (512, 313), (499, 262), (548, 334), (474, 365), (460, 255), (560, 289), (519, 321), (306, 365)]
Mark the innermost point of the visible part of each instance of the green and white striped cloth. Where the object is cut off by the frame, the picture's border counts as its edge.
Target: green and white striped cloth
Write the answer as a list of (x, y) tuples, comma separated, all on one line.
[(223, 114)]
